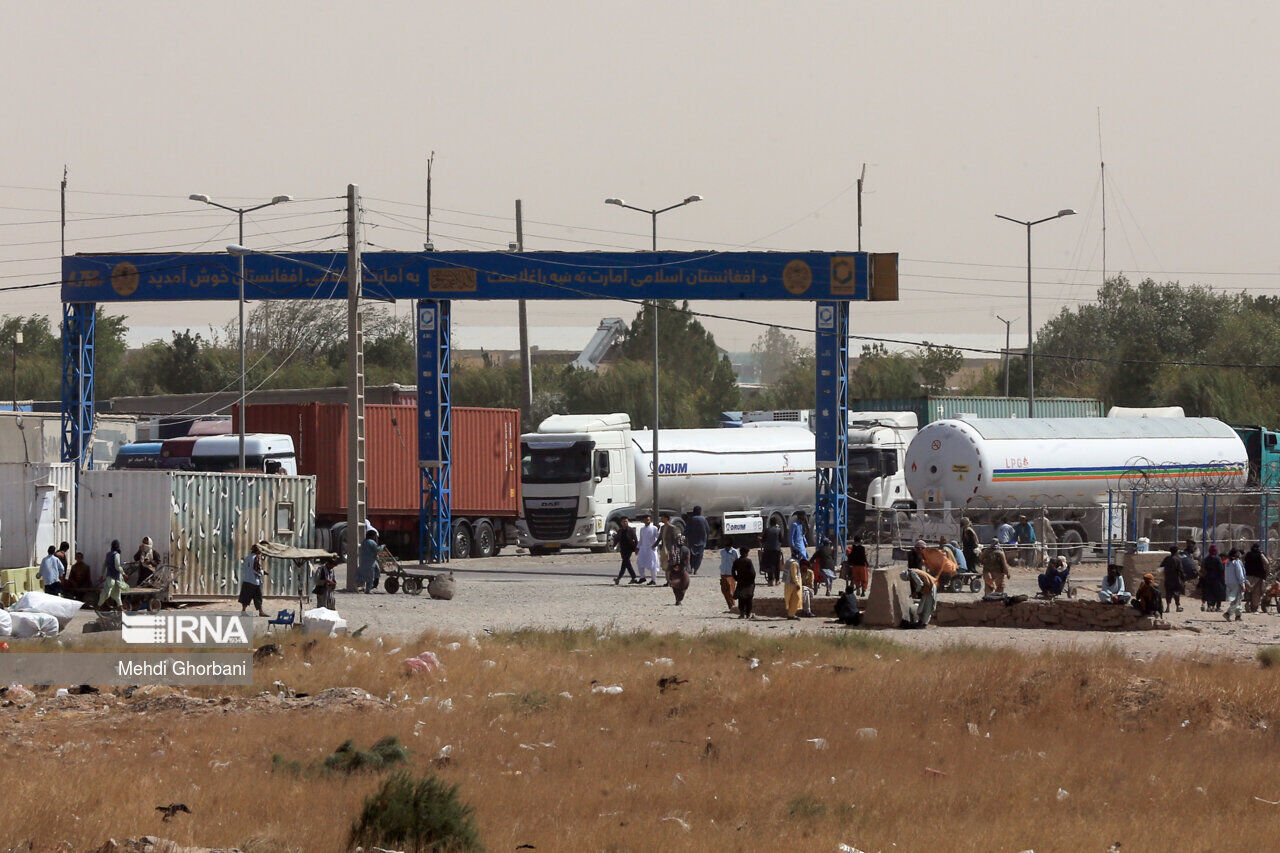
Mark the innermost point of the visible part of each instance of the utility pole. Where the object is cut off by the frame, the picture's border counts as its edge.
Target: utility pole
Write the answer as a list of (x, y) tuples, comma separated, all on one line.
[(526, 365), (1006, 352), (355, 392)]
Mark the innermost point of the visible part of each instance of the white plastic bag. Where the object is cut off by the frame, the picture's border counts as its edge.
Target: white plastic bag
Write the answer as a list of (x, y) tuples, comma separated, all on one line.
[(63, 609), (6, 624), (27, 625), (322, 620)]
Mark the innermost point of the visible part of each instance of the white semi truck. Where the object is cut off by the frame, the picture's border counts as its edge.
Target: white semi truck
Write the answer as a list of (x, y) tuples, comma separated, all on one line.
[(994, 469), (877, 454), (581, 473)]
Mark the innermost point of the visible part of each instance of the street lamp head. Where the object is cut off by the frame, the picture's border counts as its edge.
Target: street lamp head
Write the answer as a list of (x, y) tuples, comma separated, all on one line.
[(1066, 211), (283, 198), (199, 197), (237, 250), (691, 199), (613, 201)]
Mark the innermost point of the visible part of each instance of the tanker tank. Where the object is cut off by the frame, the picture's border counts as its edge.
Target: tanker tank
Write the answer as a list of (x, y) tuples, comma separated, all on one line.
[(989, 462), (727, 470)]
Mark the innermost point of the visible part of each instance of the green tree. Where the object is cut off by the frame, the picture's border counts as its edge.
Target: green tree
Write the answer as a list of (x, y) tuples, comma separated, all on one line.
[(697, 381), (935, 365), (777, 354), (881, 373)]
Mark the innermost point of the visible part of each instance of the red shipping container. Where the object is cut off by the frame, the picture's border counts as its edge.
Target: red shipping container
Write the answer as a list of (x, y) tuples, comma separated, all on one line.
[(486, 447)]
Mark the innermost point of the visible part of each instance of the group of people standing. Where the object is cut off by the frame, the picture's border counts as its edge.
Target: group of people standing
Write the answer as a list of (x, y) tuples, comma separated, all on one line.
[(75, 579)]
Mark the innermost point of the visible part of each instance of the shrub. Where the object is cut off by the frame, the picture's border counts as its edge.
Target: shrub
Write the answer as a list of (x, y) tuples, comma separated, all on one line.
[(805, 807), (1269, 656), (416, 815), (347, 759)]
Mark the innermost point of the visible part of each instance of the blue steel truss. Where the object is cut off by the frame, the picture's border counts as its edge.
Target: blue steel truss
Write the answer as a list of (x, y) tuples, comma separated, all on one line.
[(435, 533), (77, 380), (832, 499)]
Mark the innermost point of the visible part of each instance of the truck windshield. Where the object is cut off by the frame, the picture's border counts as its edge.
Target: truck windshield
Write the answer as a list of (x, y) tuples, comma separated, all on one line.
[(865, 461), (557, 464)]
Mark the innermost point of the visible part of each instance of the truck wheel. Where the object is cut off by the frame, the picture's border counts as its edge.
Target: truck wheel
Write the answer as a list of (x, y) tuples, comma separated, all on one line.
[(1071, 545), (610, 538), (482, 544), (461, 541)]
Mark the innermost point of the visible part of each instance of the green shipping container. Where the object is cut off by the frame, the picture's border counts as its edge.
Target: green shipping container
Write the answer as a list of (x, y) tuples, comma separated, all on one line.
[(930, 409)]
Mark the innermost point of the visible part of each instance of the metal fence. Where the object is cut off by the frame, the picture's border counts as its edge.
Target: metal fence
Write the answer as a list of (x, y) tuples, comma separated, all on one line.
[(1127, 520)]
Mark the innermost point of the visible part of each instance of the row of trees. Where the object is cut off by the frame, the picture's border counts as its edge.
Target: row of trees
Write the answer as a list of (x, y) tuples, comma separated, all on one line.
[(1146, 344)]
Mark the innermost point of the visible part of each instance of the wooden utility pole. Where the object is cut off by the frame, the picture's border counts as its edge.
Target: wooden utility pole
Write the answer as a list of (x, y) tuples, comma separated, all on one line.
[(526, 365), (355, 392)]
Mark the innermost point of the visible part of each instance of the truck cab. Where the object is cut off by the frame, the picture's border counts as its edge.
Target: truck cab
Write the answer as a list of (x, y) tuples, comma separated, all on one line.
[(576, 471), (877, 449), (1263, 449)]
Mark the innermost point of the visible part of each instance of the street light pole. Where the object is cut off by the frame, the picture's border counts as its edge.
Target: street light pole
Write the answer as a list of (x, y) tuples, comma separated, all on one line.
[(653, 305), (1031, 353), (240, 212)]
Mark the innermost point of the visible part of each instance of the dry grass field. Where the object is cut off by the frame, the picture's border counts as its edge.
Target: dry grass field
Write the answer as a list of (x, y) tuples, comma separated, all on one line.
[(972, 748)]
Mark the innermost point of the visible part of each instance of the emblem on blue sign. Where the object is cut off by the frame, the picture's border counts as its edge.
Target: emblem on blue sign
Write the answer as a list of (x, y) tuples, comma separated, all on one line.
[(826, 317), (427, 320)]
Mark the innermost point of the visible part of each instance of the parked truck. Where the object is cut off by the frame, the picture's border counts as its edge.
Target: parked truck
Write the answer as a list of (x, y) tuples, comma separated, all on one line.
[(995, 469), (877, 452), (485, 480), (582, 473)]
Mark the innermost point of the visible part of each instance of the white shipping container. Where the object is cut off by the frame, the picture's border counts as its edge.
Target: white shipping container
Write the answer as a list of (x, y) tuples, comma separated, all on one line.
[(36, 510), (203, 523)]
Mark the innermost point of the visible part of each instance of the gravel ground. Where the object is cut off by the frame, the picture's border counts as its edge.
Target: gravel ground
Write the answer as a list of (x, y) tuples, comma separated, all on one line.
[(576, 589)]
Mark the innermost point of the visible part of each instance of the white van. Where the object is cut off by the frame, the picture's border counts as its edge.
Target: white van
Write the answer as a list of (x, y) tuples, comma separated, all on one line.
[(269, 453)]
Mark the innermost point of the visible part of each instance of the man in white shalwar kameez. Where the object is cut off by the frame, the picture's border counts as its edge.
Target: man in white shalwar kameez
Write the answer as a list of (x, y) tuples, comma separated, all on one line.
[(647, 556)]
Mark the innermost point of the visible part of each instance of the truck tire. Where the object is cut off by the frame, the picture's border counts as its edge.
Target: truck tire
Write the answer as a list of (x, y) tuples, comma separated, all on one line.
[(1071, 545), (461, 540), (482, 544), (610, 538)]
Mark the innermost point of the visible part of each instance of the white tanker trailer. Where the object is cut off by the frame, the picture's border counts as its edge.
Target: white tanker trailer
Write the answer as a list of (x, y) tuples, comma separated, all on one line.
[(994, 469), (581, 473)]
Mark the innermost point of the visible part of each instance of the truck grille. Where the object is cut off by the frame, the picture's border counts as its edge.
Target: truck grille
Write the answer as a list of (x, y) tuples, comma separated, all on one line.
[(550, 524)]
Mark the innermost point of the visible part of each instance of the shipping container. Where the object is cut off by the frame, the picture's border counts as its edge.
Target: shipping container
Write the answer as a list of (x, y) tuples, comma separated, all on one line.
[(202, 522), (37, 509), (486, 471), (930, 409)]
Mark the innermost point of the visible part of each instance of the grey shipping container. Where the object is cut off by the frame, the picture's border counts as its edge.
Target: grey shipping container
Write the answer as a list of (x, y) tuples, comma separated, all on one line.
[(203, 523), (930, 409)]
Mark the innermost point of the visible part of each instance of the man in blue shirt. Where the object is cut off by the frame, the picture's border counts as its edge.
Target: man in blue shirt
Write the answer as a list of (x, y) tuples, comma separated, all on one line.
[(51, 570), (799, 547)]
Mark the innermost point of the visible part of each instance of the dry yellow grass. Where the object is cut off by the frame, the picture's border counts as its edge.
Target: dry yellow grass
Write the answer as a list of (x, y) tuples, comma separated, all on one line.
[(1167, 754)]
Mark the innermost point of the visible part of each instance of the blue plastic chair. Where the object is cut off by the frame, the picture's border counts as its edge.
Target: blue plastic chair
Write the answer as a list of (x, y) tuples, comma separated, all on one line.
[(283, 619)]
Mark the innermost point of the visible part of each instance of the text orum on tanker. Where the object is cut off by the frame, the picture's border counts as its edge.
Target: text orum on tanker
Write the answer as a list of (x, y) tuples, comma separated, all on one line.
[(671, 468)]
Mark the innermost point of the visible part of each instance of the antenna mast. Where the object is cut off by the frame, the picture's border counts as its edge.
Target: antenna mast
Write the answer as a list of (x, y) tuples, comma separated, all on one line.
[(1103, 172), (860, 179), (430, 159)]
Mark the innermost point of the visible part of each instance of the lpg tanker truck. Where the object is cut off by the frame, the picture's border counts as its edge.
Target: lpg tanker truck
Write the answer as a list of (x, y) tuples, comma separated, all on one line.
[(581, 473), (994, 469)]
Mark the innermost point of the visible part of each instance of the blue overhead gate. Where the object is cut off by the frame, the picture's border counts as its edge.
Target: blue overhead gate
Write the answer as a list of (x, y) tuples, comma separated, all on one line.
[(434, 280)]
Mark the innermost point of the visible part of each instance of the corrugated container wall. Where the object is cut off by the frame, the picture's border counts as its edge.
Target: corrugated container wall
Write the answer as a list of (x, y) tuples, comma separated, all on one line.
[(930, 409), (37, 509), (486, 446), (202, 523)]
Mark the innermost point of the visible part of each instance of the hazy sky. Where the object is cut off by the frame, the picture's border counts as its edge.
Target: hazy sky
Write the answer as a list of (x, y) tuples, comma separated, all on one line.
[(769, 110)]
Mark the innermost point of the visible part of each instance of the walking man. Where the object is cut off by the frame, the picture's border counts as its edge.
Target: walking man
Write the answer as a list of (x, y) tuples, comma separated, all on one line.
[(51, 572), (626, 547), (1256, 566), (113, 586), (771, 552), (647, 558), (728, 556), (251, 571), (696, 532)]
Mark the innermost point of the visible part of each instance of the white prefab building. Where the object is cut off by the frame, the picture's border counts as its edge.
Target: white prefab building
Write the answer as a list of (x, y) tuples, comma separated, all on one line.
[(201, 523), (36, 510)]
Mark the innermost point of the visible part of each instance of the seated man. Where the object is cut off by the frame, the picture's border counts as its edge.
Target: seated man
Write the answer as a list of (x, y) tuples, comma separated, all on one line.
[(1147, 600), (1054, 578), (847, 609), (1112, 591)]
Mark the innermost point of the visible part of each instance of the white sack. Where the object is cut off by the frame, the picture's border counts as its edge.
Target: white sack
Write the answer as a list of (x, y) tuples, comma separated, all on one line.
[(63, 609), (27, 625)]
